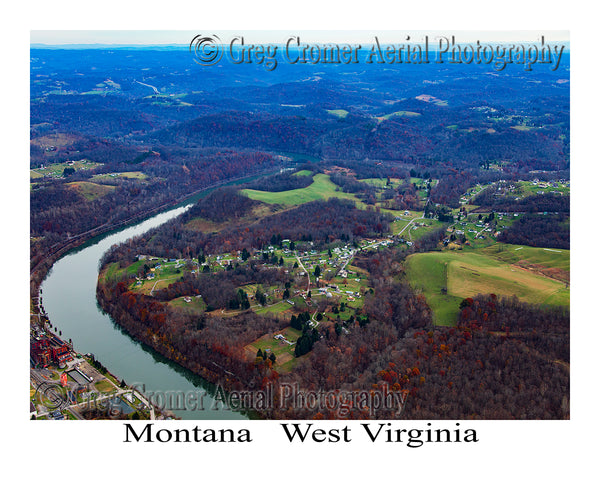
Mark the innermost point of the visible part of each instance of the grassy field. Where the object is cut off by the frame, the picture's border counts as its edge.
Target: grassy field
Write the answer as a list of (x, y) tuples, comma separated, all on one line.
[(57, 169), (284, 352), (195, 305), (322, 188), (275, 308), (162, 280), (419, 228), (164, 276), (104, 386), (401, 113), (524, 189), (91, 191), (398, 225), (551, 262), (465, 274), (382, 182), (340, 113), (523, 128), (110, 176), (303, 173)]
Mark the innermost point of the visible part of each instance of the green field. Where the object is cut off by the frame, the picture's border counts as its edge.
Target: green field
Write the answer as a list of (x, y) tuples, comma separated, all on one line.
[(57, 169), (110, 176), (322, 188), (340, 113), (163, 277), (275, 308), (382, 182), (195, 305), (303, 173), (284, 352), (465, 274), (104, 386), (524, 189), (401, 113), (548, 257), (523, 128), (419, 228)]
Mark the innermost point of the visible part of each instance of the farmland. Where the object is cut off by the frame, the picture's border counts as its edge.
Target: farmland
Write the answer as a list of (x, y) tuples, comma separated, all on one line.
[(111, 176), (401, 113), (322, 188), (448, 277), (340, 113), (56, 170)]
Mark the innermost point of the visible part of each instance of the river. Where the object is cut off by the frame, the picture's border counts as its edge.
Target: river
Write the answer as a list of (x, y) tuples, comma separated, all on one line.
[(69, 298)]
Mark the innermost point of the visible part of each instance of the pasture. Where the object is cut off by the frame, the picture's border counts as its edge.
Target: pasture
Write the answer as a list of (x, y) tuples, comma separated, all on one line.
[(401, 113), (339, 113), (322, 188), (445, 278), (111, 176)]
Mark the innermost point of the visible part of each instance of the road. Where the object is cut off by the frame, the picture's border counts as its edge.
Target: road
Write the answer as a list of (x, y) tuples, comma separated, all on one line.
[(408, 225), (306, 271), (151, 86), (348, 261)]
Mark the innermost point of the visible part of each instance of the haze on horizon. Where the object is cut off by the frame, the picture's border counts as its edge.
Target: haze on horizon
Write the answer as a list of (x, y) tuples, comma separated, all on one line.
[(183, 37)]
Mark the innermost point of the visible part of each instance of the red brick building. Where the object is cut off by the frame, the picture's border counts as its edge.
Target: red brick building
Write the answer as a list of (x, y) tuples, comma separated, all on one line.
[(50, 350)]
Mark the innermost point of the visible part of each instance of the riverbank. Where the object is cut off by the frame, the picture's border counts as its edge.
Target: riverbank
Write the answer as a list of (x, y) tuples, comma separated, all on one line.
[(70, 306), (39, 271)]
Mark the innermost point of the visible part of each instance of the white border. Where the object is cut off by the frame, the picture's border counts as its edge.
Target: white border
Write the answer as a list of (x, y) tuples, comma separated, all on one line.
[(544, 449)]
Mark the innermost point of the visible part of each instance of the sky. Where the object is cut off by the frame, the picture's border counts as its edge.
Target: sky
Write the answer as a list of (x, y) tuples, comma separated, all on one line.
[(183, 37)]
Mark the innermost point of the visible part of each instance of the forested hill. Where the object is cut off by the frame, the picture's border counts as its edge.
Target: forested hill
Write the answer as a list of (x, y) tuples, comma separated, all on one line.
[(408, 138), (463, 116)]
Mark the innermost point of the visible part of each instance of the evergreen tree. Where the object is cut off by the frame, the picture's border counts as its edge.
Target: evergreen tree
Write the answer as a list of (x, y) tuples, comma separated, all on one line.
[(317, 271)]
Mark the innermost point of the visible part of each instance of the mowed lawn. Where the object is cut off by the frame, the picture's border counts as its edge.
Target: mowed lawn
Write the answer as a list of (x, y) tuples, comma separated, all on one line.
[(284, 353), (465, 274), (195, 305), (322, 188)]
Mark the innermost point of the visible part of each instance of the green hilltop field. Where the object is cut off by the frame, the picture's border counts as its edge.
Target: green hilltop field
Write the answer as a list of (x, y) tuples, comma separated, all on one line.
[(446, 278), (322, 188)]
